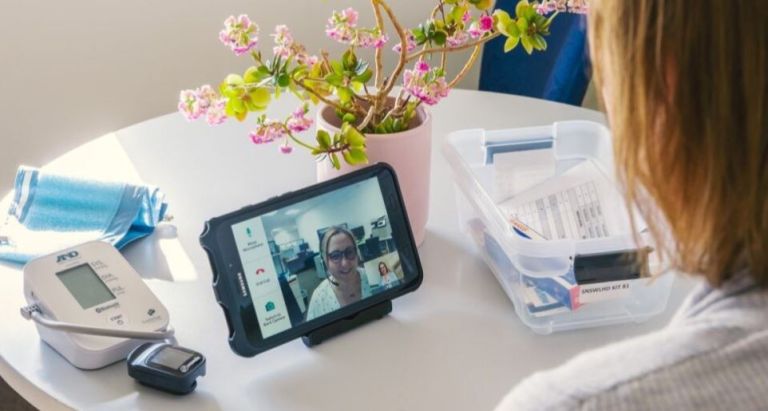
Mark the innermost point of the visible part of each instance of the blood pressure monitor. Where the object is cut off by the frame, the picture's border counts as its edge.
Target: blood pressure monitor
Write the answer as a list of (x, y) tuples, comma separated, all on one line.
[(91, 306)]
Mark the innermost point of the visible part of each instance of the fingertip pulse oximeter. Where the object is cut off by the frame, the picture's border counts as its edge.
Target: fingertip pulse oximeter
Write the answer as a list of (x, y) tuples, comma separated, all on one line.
[(166, 367)]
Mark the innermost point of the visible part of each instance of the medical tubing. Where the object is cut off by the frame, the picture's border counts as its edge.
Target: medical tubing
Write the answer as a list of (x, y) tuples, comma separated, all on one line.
[(35, 314)]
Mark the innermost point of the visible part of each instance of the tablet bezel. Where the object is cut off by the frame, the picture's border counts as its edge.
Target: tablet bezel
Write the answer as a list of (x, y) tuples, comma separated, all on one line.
[(230, 285)]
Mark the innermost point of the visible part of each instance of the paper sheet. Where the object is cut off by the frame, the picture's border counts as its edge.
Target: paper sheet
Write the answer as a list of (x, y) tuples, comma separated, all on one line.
[(579, 204)]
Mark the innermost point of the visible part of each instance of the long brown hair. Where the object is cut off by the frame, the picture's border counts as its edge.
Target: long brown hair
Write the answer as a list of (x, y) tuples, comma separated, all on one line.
[(687, 99)]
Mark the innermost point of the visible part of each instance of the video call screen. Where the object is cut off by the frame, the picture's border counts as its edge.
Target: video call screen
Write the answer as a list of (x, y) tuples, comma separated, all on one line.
[(314, 257)]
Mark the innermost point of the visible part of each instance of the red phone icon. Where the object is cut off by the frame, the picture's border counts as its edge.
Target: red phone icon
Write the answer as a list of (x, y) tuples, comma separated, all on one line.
[(259, 271)]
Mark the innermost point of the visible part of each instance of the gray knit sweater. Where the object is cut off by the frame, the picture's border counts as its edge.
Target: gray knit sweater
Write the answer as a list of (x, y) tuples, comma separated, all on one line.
[(712, 356)]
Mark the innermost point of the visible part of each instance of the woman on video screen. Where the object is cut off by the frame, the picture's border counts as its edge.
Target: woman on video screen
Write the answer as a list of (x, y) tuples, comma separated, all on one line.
[(388, 277), (345, 281)]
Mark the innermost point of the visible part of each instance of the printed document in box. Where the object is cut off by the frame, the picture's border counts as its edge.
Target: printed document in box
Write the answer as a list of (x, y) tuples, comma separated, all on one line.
[(580, 204)]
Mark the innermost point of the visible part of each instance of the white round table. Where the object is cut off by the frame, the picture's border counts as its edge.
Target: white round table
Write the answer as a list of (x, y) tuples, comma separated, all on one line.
[(454, 344)]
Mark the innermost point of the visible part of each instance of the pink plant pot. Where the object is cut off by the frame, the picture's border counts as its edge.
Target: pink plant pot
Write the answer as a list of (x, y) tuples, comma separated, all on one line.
[(408, 152)]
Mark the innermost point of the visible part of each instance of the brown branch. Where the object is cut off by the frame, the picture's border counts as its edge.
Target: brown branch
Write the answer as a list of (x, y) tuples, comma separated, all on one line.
[(320, 97), (383, 93), (468, 65), (476, 43), (380, 26)]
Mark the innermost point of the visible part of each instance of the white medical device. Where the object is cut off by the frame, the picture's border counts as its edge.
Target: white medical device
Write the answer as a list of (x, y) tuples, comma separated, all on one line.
[(91, 306)]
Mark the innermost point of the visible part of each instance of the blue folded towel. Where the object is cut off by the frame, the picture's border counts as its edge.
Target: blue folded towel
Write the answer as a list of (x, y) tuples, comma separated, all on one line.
[(50, 212)]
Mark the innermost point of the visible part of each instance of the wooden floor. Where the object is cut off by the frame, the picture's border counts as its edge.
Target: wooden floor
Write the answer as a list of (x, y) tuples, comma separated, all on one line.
[(10, 401)]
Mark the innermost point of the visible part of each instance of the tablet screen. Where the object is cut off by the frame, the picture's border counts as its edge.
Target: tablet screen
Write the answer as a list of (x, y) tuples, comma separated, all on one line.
[(313, 257)]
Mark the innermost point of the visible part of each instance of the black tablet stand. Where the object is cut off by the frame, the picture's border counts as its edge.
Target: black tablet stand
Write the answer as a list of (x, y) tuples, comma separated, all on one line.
[(333, 329)]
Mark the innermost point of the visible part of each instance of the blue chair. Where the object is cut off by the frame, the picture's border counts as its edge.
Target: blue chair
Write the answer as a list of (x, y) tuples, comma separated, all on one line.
[(561, 73)]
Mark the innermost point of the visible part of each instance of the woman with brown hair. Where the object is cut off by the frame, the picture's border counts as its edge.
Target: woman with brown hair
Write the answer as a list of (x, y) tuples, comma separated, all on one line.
[(685, 87), (346, 282)]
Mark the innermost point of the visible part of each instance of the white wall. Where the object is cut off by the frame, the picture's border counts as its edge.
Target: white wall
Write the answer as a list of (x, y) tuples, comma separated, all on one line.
[(333, 212), (73, 70)]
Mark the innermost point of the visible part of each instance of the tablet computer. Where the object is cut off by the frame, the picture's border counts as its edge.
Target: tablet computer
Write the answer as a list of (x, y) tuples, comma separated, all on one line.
[(306, 259)]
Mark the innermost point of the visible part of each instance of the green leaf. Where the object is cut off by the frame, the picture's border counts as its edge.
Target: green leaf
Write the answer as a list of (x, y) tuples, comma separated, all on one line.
[(484, 4), (345, 94), (335, 79), (355, 156), (520, 7), (513, 30), (539, 43), (335, 161), (502, 21), (439, 37), (456, 14), (337, 67), (234, 80), (529, 13), (348, 118), (352, 136), (522, 25), (349, 60), (253, 75), (397, 125), (259, 98), (364, 77), (511, 43), (323, 139), (527, 44), (283, 80), (418, 35)]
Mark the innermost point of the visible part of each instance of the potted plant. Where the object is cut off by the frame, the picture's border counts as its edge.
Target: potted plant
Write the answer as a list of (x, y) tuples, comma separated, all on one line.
[(363, 117)]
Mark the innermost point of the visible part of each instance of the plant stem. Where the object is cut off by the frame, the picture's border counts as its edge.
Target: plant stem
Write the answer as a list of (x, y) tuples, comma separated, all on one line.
[(383, 93), (380, 26), (450, 49), (320, 97), (297, 141), (468, 65), (367, 118)]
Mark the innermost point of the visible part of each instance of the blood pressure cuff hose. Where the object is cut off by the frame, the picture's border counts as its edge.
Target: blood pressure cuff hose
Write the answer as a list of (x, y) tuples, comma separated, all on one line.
[(50, 212)]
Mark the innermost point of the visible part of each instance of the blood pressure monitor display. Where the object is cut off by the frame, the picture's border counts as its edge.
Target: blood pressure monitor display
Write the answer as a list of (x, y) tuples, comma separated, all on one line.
[(85, 285)]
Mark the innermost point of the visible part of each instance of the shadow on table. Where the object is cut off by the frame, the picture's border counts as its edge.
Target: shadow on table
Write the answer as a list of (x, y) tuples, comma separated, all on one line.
[(92, 389), (161, 256)]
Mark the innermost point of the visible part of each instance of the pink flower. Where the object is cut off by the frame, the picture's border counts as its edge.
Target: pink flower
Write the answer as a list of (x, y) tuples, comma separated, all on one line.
[(486, 23), (459, 38), (239, 34), (341, 25), (546, 7), (216, 113), (306, 59), (410, 44), (283, 41), (481, 27), (286, 148), (578, 6), (467, 17), (350, 15), (370, 40), (267, 132), (189, 105), (425, 83), (195, 103), (298, 121), (570, 6)]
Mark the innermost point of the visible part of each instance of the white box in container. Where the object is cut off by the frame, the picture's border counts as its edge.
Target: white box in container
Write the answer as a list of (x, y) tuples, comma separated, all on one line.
[(546, 279)]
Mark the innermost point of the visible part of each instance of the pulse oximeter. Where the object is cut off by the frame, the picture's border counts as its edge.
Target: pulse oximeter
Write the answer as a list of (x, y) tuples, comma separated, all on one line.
[(166, 367)]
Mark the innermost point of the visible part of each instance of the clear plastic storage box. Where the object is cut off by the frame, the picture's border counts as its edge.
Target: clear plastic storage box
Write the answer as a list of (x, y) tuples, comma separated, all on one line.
[(564, 251)]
